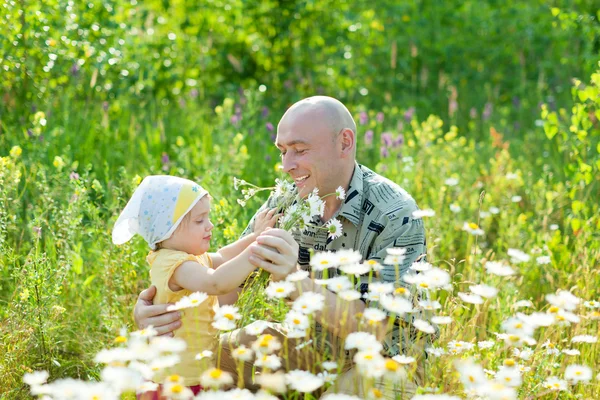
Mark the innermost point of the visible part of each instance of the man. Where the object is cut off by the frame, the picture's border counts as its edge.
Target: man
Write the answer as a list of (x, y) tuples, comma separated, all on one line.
[(317, 141)]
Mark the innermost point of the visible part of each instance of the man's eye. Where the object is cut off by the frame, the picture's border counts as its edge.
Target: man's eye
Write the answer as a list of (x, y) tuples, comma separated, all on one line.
[(301, 151), (282, 154)]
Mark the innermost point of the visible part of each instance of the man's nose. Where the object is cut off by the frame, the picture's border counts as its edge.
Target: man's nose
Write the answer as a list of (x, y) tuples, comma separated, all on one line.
[(288, 163)]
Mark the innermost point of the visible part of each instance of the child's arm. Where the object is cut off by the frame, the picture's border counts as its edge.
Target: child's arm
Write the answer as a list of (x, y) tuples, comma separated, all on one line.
[(265, 219), (196, 277)]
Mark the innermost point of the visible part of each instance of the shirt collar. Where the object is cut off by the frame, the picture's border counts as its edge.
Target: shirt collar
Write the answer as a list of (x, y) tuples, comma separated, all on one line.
[(352, 206)]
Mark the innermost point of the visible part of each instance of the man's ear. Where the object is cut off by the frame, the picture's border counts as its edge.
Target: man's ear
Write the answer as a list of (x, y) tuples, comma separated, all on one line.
[(348, 138)]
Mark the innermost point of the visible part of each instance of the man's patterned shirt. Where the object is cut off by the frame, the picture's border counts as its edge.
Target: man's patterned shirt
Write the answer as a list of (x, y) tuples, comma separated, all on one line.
[(375, 215)]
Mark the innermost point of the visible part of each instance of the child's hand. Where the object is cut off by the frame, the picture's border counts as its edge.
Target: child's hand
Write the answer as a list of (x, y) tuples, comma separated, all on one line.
[(265, 219)]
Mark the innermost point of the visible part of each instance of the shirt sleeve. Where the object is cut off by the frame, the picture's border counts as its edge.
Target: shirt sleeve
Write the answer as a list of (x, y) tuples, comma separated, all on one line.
[(400, 233)]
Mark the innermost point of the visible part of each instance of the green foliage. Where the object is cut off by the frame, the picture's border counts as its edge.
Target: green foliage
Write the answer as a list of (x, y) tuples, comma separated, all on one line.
[(97, 94)]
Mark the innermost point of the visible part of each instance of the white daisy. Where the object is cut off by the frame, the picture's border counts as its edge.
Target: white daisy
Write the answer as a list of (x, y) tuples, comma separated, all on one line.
[(303, 381), (334, 228), (518, 256), (323, 260), (441, 320), (242, 353), (584, 339), (340, 193), (455, 208), (279, 290), (228, 312), (470, 298), (256, 327), (193, 300), (484, 290), (423, 326), (499, 268), (473, 229), (297, 320), (578, 373), (309, 302), (423, 213), (403, 359), (271, 361), (215, 378), (297, 276), (556, 384)]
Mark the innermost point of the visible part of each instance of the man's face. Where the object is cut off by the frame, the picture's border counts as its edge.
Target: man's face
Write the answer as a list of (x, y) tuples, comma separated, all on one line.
[(310, 153)]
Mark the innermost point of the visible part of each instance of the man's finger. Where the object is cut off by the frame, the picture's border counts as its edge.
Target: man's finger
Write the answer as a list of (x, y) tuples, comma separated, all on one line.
[(148, 294), (267, 254), (167, 330), (276, 242), (280, 233), (164, 319), (154, 311)]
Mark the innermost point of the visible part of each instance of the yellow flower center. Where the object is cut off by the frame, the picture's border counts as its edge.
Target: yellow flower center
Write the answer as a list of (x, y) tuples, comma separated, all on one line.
[(424, 285), (400, 290), (120, 339), (216, 373), (518, 325), (471, 378), (391, 365), (556, 385), (560, 318), (509, 362), (177, 388), (458, 344), (372, 262), (324, 262), (577, 372), (514, 338), (174, 378), (473, 225), (553, 309), (296, 321), (368, 357), (377, 393), (229, 316), (194, 301), (280, 290)]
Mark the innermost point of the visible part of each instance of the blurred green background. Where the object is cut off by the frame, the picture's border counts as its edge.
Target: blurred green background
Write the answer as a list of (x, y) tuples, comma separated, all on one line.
[(501, 95)]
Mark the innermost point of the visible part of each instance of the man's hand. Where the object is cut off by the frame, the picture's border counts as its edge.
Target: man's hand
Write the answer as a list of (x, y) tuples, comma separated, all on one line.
[(275, 251), (146, 313)]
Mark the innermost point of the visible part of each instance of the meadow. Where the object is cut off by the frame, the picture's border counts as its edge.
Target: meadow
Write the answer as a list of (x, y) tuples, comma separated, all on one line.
[(487, 113)]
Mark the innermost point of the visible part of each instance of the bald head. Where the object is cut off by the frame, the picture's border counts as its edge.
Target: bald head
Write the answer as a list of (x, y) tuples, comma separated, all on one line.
[(325, 110)]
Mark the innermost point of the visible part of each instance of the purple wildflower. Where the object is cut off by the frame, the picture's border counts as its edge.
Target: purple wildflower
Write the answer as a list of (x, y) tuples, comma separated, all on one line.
[(194, 93), (363, 118), (487, 111), (268, 158), (74, 176), (288, 84), (409, 114), (29, 133), (273, 137), (235, 118), (105, 105), (379, 117), (386, 138), (473, 113), (165, 158), (37, 230), (368, 137), (182, 103), (269, 126), (75, 69), (384, 152), (399, 141), (265, 112)]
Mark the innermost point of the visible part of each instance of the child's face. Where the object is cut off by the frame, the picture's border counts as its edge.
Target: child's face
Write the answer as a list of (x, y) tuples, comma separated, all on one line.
[(194, 234)]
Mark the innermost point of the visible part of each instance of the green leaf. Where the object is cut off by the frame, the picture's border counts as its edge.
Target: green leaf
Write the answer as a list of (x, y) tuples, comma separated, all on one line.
[(577, 206), (88, 280), (575, 224), (76, 263), (550, 130), (555, 11)]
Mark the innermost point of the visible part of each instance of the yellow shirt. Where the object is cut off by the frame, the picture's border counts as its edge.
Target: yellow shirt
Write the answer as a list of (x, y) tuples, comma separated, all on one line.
[(196, 329)]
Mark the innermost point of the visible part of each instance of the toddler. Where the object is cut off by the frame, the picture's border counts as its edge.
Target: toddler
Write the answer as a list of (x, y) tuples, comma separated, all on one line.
[(172, 215)]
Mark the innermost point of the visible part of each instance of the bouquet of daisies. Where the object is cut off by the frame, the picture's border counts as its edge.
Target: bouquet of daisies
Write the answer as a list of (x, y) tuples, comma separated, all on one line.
[(296, 213)]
